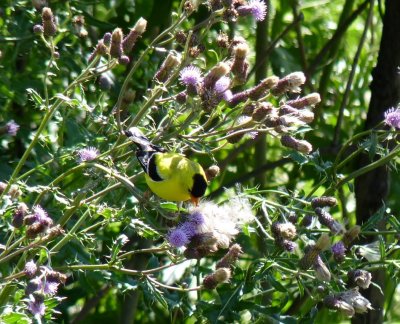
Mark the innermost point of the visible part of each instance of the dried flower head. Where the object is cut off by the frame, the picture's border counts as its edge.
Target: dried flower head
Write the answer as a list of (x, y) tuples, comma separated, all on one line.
[(212, 172), (219, 276), (230, 257), (359, 277), (323, 201), (309, 100), (322, 272), (326, 219), (290, 83), (354, 298), (298, 145), (334, 302)]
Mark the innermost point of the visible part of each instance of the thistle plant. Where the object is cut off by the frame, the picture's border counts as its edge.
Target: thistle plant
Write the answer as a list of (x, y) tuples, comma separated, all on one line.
[(76, 210)]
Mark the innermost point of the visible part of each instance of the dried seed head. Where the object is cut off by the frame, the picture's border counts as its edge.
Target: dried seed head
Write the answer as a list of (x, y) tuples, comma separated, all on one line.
[(223, 40), (35, 229), (181, 37), (260, 90), (284, 230), (359, 277), (334, 302), (324, 201), (326, 219)]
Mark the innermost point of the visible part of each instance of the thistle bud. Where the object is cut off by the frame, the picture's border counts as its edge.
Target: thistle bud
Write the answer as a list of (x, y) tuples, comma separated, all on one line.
[(19, 214), (322, 273), (230, 14), (298, 145), (249, 109), (215, 4), (216, 73), (170, 63), (262, 110), (48, 22), (56, 276), (240, 66), (287, 245), (107, 39), (181, 97), (38, 29), (326, 219), (339, 251), (230, 257), (35, 229), (323, 201), (130, 40), (290, 83), (309, 100), (55, 231), (116, 43), (219, 276), (351, 235), (212, 172), (361, 278), (101, 49), (292, 217), (260, 90), (123, 60), (104, 82)]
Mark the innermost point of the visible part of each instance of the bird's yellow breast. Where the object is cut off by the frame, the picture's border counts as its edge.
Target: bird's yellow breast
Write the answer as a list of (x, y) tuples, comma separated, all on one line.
[(177, 173)]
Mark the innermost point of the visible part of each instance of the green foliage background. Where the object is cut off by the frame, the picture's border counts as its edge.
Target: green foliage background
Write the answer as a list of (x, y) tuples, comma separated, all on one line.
[(87, 120)]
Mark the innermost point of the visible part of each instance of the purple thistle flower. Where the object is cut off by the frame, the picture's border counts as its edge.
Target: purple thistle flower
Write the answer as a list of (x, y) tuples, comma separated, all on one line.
[(256, 8), (197, 218), (36, 305), (227, 95), (88, 154), (222, 85), (50, 287), (12, 128), (189, 228), (392, 117), (190, 75), (178, 237), (339, 251), (30, 268), (41, 216)]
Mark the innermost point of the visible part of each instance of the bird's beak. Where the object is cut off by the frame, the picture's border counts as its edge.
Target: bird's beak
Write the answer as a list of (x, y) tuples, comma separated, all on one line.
[(195, 200)]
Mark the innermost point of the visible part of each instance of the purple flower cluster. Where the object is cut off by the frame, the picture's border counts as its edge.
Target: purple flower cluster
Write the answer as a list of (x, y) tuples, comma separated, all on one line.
[(44, 284), (392, 117), (190, 76), (256, 8), (88, 154), (181, 235), (12, 128)]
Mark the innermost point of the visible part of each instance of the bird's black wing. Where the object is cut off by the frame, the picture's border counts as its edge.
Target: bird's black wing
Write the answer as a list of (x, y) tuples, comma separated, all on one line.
[(145, 152)]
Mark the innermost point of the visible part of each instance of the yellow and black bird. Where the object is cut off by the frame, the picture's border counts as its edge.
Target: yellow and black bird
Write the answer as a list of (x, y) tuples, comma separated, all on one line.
[(170, 176)]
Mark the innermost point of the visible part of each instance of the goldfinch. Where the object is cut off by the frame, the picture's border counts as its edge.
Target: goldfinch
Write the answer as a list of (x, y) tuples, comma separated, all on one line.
[(170, 176)]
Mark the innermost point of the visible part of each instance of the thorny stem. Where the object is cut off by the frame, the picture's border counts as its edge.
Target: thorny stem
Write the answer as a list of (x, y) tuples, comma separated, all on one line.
[(43, 124)]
